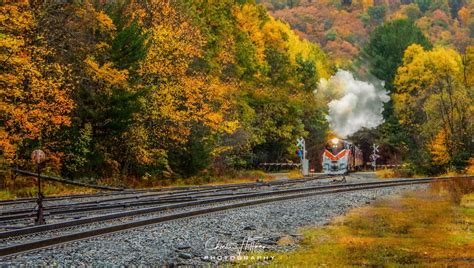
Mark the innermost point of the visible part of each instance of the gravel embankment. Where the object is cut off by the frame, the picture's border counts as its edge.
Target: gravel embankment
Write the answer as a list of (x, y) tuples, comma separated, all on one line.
[(184, 241)]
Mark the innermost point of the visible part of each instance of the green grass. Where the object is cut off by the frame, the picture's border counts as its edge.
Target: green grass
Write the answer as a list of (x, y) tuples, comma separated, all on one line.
[(5, 194)]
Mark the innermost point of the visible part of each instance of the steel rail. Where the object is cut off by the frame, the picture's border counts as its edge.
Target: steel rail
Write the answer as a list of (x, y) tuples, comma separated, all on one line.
[(163, 191), (27, 212), (137, 223), (60, 210)]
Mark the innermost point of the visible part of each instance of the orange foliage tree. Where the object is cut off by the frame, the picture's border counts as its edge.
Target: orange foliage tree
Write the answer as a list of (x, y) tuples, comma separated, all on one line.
[(34, 90)]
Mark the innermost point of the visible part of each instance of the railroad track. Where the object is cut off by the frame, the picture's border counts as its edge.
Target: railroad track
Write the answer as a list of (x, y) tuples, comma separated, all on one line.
[(138, 199), (31, 238), (138, 192)]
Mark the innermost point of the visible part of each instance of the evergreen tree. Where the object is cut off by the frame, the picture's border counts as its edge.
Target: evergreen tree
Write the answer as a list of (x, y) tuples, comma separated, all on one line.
[(387, 44)]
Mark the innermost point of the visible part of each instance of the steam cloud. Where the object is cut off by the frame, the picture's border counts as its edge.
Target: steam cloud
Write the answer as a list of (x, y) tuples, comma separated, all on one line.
[(357, 104)]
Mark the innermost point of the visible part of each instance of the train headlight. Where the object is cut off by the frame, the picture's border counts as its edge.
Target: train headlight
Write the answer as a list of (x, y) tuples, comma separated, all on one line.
[(335, 141)]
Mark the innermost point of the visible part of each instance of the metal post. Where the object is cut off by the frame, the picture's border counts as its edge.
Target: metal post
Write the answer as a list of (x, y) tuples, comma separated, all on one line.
[(39, 201), (38, 156)]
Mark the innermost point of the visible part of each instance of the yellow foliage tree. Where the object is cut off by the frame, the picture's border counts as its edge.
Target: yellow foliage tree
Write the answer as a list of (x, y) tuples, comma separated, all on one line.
[(176, 100), (431, 97), (249, 22), (439, 150)]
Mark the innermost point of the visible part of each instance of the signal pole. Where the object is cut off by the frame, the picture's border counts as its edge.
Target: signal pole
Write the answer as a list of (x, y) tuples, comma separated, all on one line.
[(374, 156), (301, 144)]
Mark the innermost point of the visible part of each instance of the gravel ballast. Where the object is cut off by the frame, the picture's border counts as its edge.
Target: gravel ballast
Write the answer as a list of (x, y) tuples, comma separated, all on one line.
[(208, 239)]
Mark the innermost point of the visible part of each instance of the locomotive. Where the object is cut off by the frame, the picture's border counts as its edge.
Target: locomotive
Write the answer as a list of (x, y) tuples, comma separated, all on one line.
[(341, 157)]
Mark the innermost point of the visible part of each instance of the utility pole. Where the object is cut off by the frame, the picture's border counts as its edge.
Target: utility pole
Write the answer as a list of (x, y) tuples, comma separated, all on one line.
[(301, 144)]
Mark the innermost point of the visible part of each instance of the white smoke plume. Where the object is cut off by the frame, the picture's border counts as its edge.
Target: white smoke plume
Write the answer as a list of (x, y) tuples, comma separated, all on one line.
[(355, 104)]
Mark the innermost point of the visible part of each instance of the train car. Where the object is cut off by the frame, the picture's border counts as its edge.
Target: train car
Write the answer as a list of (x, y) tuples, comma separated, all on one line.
[(341, 157)]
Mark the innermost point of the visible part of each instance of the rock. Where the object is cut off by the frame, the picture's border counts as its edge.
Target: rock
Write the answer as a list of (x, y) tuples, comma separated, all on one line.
[(250, 228), (182, 246), (185, 256), (223, 233), (267, 242), (296, 235)]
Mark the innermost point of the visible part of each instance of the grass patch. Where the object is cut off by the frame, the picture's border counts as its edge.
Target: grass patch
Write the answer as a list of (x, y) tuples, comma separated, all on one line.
[(427, 228), (24, 186), (395, 173), (467, 201), (232, 177), (401, 172), (235, 177), (295, 174)]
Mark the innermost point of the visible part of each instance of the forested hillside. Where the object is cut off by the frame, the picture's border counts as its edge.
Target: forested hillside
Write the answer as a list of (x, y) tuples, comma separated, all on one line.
[(154, 89), (429, 120), (343, 27)]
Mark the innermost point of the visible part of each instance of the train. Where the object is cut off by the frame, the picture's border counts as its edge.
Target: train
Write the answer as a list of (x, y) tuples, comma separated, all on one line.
[(341, 157)]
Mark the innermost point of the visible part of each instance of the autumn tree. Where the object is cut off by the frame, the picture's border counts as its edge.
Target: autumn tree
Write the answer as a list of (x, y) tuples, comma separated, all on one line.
[(434, 102), (34, 89), (156, 89)]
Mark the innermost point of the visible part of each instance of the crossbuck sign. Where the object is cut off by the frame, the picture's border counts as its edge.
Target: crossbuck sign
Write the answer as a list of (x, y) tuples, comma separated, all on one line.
[(300, 143)]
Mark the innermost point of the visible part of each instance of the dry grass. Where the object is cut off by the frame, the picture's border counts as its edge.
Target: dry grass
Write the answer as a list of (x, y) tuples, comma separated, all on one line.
[(295, 174), (385, 173), (243, 176), (417, 229), (406, 173), (27, 187), (395, 173), (467, 201), (238, 177), (23, 186)]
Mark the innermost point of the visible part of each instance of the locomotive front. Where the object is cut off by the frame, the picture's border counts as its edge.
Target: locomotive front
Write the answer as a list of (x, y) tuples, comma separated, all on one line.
[(335, 157)]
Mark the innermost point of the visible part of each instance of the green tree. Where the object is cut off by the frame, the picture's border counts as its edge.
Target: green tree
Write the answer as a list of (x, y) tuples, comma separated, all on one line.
[(387, 44), (307, 74), (377, 13), (385, 52), (129, 47), (424, 5)]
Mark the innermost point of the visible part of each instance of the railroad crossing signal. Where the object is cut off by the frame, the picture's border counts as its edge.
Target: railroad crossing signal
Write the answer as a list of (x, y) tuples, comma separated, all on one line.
[(299, 153), (376, 148), (374, 156), (300, 143)]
